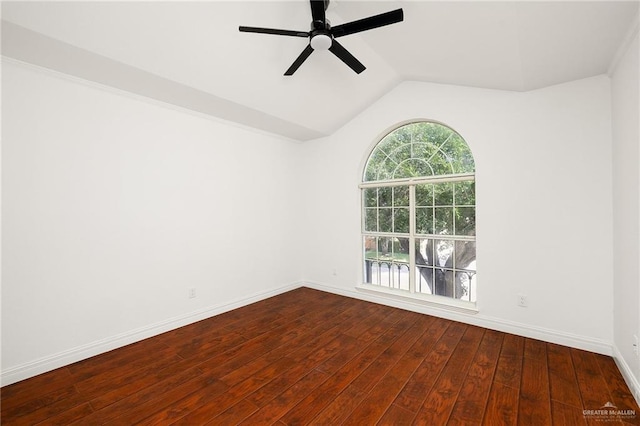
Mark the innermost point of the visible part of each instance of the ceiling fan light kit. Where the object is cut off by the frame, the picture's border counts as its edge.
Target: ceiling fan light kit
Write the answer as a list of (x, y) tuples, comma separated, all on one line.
[(323, 37), (321, 42)]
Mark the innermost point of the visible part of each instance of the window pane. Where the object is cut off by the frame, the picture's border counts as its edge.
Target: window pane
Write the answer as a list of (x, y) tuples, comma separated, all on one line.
[(370, 174), (385, 248), (403, 276), (387, 266), (370, 245), (424, 278), (458, 153), (441, 163), (384, 273), (424, 220), (443, 194), (401, 250), (370, 271), (443, 284), (466, 285), (465, 221), (466, 255), (424, 251), (370, 197), (371, 220), (377, 166), (401, 220), (465, 193), (427, 148), (401, 196), (385, 196), (443, 221), (424, 150), (443, 252), (385, 219), (424, 194)]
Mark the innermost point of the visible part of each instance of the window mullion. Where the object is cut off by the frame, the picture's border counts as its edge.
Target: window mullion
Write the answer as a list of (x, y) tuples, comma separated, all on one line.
[(412, 238)]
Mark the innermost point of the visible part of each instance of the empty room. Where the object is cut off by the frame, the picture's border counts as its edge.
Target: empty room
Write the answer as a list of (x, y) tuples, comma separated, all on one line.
[(320, 212)]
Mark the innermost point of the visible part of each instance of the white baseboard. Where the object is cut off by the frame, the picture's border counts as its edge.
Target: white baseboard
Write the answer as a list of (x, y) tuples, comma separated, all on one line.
[(627, 374), (548, 335), (48, 363)]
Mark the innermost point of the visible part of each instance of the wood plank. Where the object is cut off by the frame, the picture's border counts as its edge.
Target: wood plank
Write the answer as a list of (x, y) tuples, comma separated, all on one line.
[(148, 379), (301, 357), (421, 382), (56, 409), (174, 403), (25, 391), (372, 408), (65, 417), (371, 375), (329, 391), (220, 402), (269, 391), (509, 369), (621, 396), (339, 409), (593, 386), (133, 356), (566, 415), (535, 349), (440, 401), (408, 334), (29, 405), (234, 414), (534, 406), (144, 397), (252, 356), (108, 381), (472, 399), (502, 407), (287, 399), (562, 376), (396, 415)]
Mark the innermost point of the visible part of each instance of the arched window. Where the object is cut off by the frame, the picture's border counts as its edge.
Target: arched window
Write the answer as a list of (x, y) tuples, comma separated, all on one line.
[(419, 214)]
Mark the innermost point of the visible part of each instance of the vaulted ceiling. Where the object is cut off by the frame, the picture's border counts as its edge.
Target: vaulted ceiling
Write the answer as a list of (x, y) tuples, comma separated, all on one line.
[(191, 54)]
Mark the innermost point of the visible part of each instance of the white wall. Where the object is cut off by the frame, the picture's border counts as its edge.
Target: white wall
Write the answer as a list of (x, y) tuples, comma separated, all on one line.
[(544, 221), (626, 195), (113, 207)]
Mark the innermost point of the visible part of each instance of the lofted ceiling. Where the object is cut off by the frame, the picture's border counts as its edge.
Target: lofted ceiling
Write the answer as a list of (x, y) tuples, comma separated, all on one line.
[(191, 54)]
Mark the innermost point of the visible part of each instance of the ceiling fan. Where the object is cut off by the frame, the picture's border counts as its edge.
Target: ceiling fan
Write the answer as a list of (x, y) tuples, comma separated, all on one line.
[(323, 36)]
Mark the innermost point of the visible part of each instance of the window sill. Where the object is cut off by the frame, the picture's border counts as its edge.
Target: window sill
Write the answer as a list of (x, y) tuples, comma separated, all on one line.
[(439, 302)]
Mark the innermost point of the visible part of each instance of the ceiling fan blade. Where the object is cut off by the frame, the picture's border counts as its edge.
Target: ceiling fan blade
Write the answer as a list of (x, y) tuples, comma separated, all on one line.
[(273, 31), (369, 23), (317, 10), (296, 64), (346, 57)]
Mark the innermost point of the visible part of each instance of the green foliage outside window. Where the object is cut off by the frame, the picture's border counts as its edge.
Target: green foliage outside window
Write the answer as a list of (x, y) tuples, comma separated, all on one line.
[(418, 150)]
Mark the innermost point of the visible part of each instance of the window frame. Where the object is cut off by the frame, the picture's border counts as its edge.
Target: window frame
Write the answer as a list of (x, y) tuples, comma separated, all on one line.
[(412, 235)]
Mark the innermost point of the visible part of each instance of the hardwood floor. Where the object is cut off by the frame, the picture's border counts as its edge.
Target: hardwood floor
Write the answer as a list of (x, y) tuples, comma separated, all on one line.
[(309, 357)]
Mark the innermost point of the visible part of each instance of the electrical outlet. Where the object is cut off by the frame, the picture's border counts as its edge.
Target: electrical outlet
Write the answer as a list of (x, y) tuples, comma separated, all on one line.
[(523, 300), (192, 293)]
